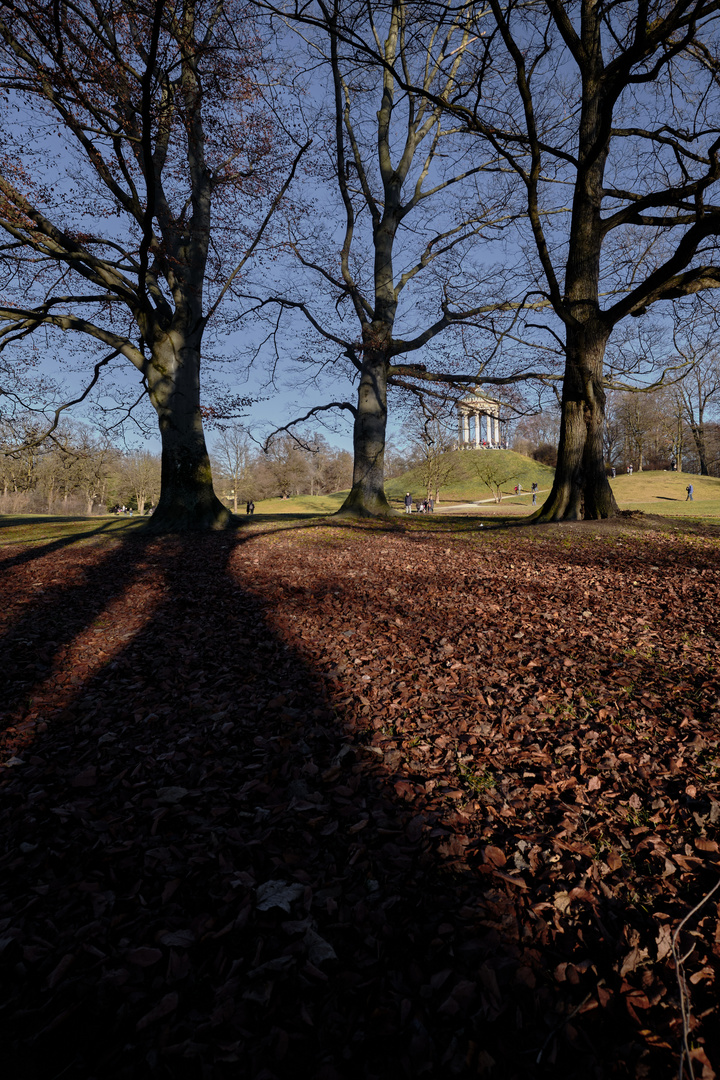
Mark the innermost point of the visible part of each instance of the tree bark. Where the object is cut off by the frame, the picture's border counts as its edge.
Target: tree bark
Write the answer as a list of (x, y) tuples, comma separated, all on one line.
[(698, 434), (367, 496), (187, 500), (581, 488)]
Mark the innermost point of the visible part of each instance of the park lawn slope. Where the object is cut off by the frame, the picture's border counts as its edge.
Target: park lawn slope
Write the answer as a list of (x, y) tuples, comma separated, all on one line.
[(664, 493), (466, 482)]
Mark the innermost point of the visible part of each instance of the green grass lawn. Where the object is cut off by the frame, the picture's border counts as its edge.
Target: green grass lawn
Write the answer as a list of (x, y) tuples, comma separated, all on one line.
[(664, 493), (46, 528), (653, 493), (51, 528), (650, 492), (301, 504)]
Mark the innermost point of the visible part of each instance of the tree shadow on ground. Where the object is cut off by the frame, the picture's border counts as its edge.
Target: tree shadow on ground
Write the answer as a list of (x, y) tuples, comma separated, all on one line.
[(47, 545), (212, 869)]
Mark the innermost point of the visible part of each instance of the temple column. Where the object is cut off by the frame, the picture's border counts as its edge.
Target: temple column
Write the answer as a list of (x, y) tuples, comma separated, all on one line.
[(466, 427), (460, 430), (477, 430)]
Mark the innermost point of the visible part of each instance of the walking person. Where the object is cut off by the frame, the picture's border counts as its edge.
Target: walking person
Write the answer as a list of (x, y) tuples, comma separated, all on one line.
[(534, 490), (689, 497), (250, 508), (408, 503)]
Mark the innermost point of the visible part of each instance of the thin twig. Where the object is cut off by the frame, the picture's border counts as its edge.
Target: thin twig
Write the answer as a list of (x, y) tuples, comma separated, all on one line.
[(682, 985)]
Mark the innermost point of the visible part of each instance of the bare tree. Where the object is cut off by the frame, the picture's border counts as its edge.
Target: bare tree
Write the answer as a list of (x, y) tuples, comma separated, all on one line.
[(233, 453), (412, 204), (287, 463), (607, 114), (638, 415), (698, 393), (432, 437), (537, 434), (612, 431), (150, 100), (140, 477), (493, 471)]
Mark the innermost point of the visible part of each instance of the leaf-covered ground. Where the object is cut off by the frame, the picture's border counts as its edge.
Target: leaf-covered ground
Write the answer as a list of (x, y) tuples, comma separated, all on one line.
[(360, 803)]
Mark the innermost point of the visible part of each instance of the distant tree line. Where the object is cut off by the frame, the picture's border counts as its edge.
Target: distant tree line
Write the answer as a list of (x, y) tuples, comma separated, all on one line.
[(674, 426), (79, 471), (301, 464)]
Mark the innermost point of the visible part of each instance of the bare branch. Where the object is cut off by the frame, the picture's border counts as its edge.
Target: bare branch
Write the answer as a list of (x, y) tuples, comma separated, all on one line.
[(301, 419), (27, 444)]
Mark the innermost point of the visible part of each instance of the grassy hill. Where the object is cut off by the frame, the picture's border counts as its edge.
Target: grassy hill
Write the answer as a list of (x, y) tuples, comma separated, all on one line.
[(466, 485), (664, 493), (651, 492)]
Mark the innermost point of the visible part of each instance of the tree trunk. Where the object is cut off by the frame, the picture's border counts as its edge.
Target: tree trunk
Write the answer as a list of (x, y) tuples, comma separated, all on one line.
[(680, 447), (698, 434), (581, 488), (367, 496), (187, 499)]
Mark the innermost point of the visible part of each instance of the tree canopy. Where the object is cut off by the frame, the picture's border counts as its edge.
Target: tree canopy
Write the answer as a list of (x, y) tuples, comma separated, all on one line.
[(161, 179)]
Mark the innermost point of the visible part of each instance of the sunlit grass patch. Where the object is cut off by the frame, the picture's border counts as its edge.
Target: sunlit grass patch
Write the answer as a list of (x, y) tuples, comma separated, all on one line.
[(300, 504), (47, 528)]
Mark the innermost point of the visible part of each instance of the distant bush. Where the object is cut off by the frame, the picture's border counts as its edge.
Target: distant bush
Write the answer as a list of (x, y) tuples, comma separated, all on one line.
[(546, 454)]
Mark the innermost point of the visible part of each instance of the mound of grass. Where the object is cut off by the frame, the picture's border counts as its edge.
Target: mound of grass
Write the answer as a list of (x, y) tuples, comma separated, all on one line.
[(466, 482)]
